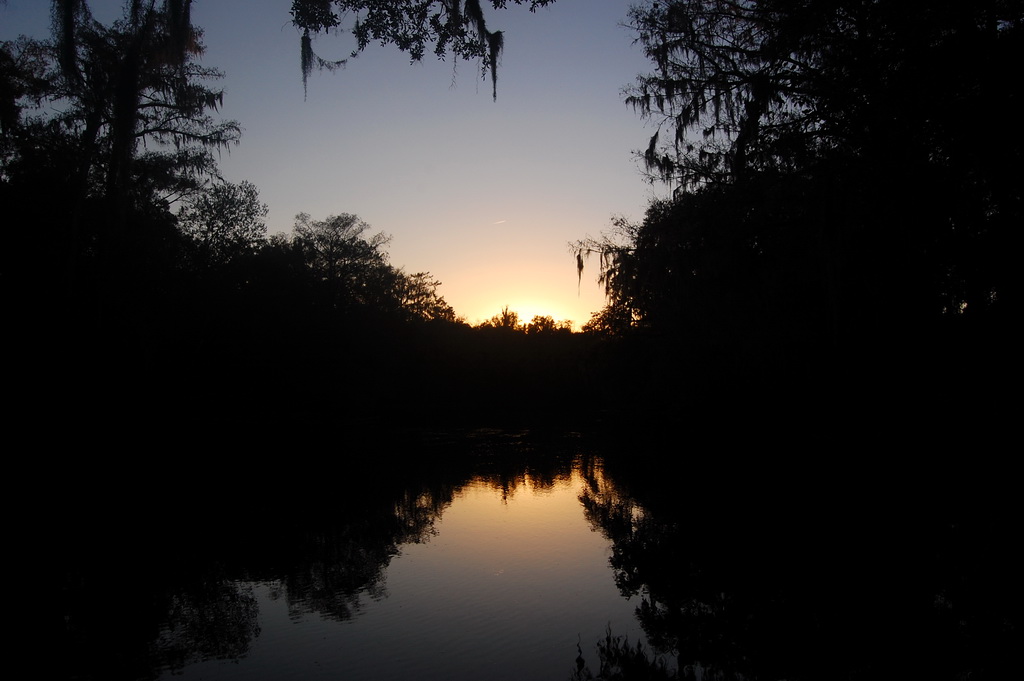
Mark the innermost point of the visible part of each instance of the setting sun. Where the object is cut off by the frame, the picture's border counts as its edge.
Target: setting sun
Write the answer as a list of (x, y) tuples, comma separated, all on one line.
[(526, 312), (546, 287)]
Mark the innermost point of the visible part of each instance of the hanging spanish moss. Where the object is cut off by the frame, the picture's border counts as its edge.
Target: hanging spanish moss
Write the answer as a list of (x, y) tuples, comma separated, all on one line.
[(63, 15), (307, 58), (475, 15), (455, 28), (495, 44), (182, 35), (310, 59), (579, 271), (493, 40)]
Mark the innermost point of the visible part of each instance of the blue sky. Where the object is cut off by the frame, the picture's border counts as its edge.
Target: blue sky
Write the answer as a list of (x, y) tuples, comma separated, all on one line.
[(484, 195)]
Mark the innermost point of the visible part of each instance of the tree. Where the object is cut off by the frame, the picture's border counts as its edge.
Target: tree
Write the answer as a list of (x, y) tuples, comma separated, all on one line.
[(546, 324), (224, 222), (132, 85), (825, 173), (736, 72), (419, 298), (456, 28), (506, 319), (616, 272), (23, 82), (541, 324), (104, 127), (351, 267), (776, 83), (609, 322)]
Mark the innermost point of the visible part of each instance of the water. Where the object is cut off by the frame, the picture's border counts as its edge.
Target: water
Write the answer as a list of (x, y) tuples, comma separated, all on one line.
[(503, 583), (510, 562)]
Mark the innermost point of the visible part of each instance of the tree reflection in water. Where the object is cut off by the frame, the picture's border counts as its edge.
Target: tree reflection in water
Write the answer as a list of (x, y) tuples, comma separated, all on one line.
[(136, 604), (734, 580), (339, 564), (739, 583), (213, 620)]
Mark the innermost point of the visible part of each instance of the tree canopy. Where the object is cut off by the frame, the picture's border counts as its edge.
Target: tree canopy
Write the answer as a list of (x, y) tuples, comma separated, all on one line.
[(103, 128), (825, 163), (137, 84), (224, 222), (448, 28)]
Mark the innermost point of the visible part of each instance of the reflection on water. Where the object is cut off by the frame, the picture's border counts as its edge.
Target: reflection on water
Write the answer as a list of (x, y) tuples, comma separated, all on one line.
[(484, 567), (509, 562), (782, 580), (503, 585)]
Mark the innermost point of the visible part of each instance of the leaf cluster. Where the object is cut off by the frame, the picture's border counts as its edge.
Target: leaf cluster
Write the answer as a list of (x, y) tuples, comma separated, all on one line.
[(508, 320), (134, 97), (826, 183), (226, 221), (349, 269), (457, 28)]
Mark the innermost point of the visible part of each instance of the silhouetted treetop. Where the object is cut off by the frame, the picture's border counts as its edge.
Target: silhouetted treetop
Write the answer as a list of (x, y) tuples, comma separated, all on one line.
[(133, 85), (417, 294), (23, 80), (828, 181), (447, 27), (748, 84), (102, 128), (224, 222), (506, 319)]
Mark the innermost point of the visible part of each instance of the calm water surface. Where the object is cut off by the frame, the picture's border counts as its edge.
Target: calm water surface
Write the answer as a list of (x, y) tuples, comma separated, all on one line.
[(498, 560), (503, 584)]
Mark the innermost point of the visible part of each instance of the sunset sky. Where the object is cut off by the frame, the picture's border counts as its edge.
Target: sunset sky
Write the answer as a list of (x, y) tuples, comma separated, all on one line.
[(484, 195)]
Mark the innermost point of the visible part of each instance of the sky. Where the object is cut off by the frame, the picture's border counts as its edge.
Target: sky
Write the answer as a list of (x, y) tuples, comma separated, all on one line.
[(484, 195)]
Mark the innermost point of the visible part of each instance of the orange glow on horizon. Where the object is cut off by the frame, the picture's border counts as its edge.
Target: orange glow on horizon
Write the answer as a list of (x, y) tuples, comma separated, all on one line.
[(527, 312)]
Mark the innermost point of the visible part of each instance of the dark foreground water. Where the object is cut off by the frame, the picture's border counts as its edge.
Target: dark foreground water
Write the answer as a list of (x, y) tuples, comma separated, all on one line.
[(507, 558), (498, 582)]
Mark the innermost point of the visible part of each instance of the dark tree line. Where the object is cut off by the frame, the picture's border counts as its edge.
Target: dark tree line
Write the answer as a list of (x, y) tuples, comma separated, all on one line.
[(848, 182), (145, 286), (835, 211)]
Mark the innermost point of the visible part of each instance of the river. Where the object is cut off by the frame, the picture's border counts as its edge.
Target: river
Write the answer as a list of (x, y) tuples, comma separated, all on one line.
[(513, 559)]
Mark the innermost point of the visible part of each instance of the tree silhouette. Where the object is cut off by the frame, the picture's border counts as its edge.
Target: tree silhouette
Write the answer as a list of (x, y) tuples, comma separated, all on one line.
[(104, 127), (23, 81), (133, 83), (418, 296), (448, 27), (224, 222), (736, 577), (351, 268), (546, 324), (816, 197), (507, 320)]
